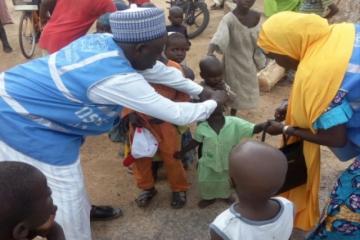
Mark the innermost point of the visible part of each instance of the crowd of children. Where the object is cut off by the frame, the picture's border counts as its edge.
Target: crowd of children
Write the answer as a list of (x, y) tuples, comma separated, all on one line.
[(228, 160)]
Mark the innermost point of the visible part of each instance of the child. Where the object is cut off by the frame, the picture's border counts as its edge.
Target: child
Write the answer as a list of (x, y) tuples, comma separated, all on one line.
[(175, 50), (212, 72), (257, 171), (236, 38), (169, 142), (218, 134), (176, 17), (26, 209), (324, 8)]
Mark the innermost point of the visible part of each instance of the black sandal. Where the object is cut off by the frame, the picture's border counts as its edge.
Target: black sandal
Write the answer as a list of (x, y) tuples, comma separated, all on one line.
[(145, 197), (178, 200), (104, 213)]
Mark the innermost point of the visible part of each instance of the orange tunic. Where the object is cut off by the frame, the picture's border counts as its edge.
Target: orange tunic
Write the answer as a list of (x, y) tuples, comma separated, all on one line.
[(169, 142)]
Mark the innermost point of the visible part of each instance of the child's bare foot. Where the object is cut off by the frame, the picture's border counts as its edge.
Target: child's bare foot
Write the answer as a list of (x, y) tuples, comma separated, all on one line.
[(205, 203)]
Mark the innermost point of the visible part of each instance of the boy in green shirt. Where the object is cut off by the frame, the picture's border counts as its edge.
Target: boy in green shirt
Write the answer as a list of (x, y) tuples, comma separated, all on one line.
[(219, 134)]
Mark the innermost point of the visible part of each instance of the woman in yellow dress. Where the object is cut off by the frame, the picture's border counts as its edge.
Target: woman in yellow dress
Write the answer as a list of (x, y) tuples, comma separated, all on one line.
[(323, 109)]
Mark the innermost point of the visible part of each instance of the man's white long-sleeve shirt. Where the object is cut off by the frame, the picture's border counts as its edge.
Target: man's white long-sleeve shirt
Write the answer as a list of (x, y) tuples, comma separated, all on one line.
[(133, 91)]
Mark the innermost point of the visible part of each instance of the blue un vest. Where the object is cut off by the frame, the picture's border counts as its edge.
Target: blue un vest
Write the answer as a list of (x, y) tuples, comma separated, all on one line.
[(45, 112)]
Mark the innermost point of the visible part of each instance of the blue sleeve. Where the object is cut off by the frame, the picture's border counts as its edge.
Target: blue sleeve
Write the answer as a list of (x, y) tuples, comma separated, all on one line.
[(335, 116)]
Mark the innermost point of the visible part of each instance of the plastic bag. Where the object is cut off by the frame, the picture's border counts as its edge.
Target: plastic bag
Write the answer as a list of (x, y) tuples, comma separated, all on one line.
[(144, 144)]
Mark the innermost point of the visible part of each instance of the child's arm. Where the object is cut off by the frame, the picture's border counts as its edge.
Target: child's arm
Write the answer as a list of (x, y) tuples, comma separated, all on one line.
[(259, 127), (191, 145), (212, 48)]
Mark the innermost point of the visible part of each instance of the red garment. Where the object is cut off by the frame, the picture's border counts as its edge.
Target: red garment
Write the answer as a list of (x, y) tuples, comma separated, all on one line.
[(71, 21)]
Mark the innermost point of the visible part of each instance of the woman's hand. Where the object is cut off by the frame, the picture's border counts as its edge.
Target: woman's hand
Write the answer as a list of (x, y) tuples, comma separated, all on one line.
[(281, 111), (274, 127)]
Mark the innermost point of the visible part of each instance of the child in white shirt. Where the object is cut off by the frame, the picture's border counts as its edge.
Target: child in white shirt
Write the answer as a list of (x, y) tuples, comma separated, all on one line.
[(257, 171)]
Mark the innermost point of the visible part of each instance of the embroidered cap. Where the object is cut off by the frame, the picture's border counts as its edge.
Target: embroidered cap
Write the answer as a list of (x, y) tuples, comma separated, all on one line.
[(135, 25)]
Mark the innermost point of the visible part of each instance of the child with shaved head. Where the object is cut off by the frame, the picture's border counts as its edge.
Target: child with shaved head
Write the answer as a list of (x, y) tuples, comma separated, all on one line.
[(257, 171), (26, 208)]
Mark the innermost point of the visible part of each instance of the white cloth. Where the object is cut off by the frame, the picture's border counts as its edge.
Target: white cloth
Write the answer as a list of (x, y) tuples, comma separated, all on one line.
[(134, 92), (230, 225), (68, 192)]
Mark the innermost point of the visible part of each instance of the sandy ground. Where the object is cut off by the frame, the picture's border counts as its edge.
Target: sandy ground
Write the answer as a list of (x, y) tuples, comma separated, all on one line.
[(109, 183)]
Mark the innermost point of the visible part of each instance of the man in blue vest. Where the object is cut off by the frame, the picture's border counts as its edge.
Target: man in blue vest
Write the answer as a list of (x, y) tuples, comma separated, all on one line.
[(49, 105)]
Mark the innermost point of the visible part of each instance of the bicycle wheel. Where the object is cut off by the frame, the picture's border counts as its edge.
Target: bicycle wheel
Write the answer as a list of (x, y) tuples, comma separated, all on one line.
[(196, 19), (27, 35)]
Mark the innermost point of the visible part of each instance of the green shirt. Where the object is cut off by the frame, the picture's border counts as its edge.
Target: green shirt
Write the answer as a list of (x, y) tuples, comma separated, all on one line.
[(216, 147), (274, 6)]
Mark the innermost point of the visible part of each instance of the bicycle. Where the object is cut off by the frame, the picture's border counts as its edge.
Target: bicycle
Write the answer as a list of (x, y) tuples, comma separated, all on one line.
[(196, 15), (29, 26)]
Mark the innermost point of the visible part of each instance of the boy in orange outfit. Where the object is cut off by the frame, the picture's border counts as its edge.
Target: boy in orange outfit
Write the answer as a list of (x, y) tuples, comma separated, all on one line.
[(169, 140)]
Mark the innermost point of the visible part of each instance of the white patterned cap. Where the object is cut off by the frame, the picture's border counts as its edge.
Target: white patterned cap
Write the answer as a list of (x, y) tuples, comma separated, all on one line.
[(136, 25)]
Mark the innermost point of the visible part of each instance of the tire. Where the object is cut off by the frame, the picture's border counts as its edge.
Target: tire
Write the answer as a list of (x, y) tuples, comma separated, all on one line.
[(27, 35), (194, 28)]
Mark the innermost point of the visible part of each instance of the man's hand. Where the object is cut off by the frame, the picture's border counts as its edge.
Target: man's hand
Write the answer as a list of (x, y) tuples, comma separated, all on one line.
[(220, 96), (206, 94), (274, 127)]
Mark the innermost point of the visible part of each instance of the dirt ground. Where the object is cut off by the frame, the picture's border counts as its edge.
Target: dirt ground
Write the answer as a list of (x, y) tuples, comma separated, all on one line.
[(109, 183)]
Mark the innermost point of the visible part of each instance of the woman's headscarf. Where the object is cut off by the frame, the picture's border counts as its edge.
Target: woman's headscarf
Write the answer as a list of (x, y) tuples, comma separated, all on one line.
[(324, 52)]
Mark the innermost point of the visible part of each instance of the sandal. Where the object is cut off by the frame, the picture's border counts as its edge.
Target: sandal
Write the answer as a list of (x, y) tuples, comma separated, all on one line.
[(178, 200), (205, 203), (145, 197), (104, 213)]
